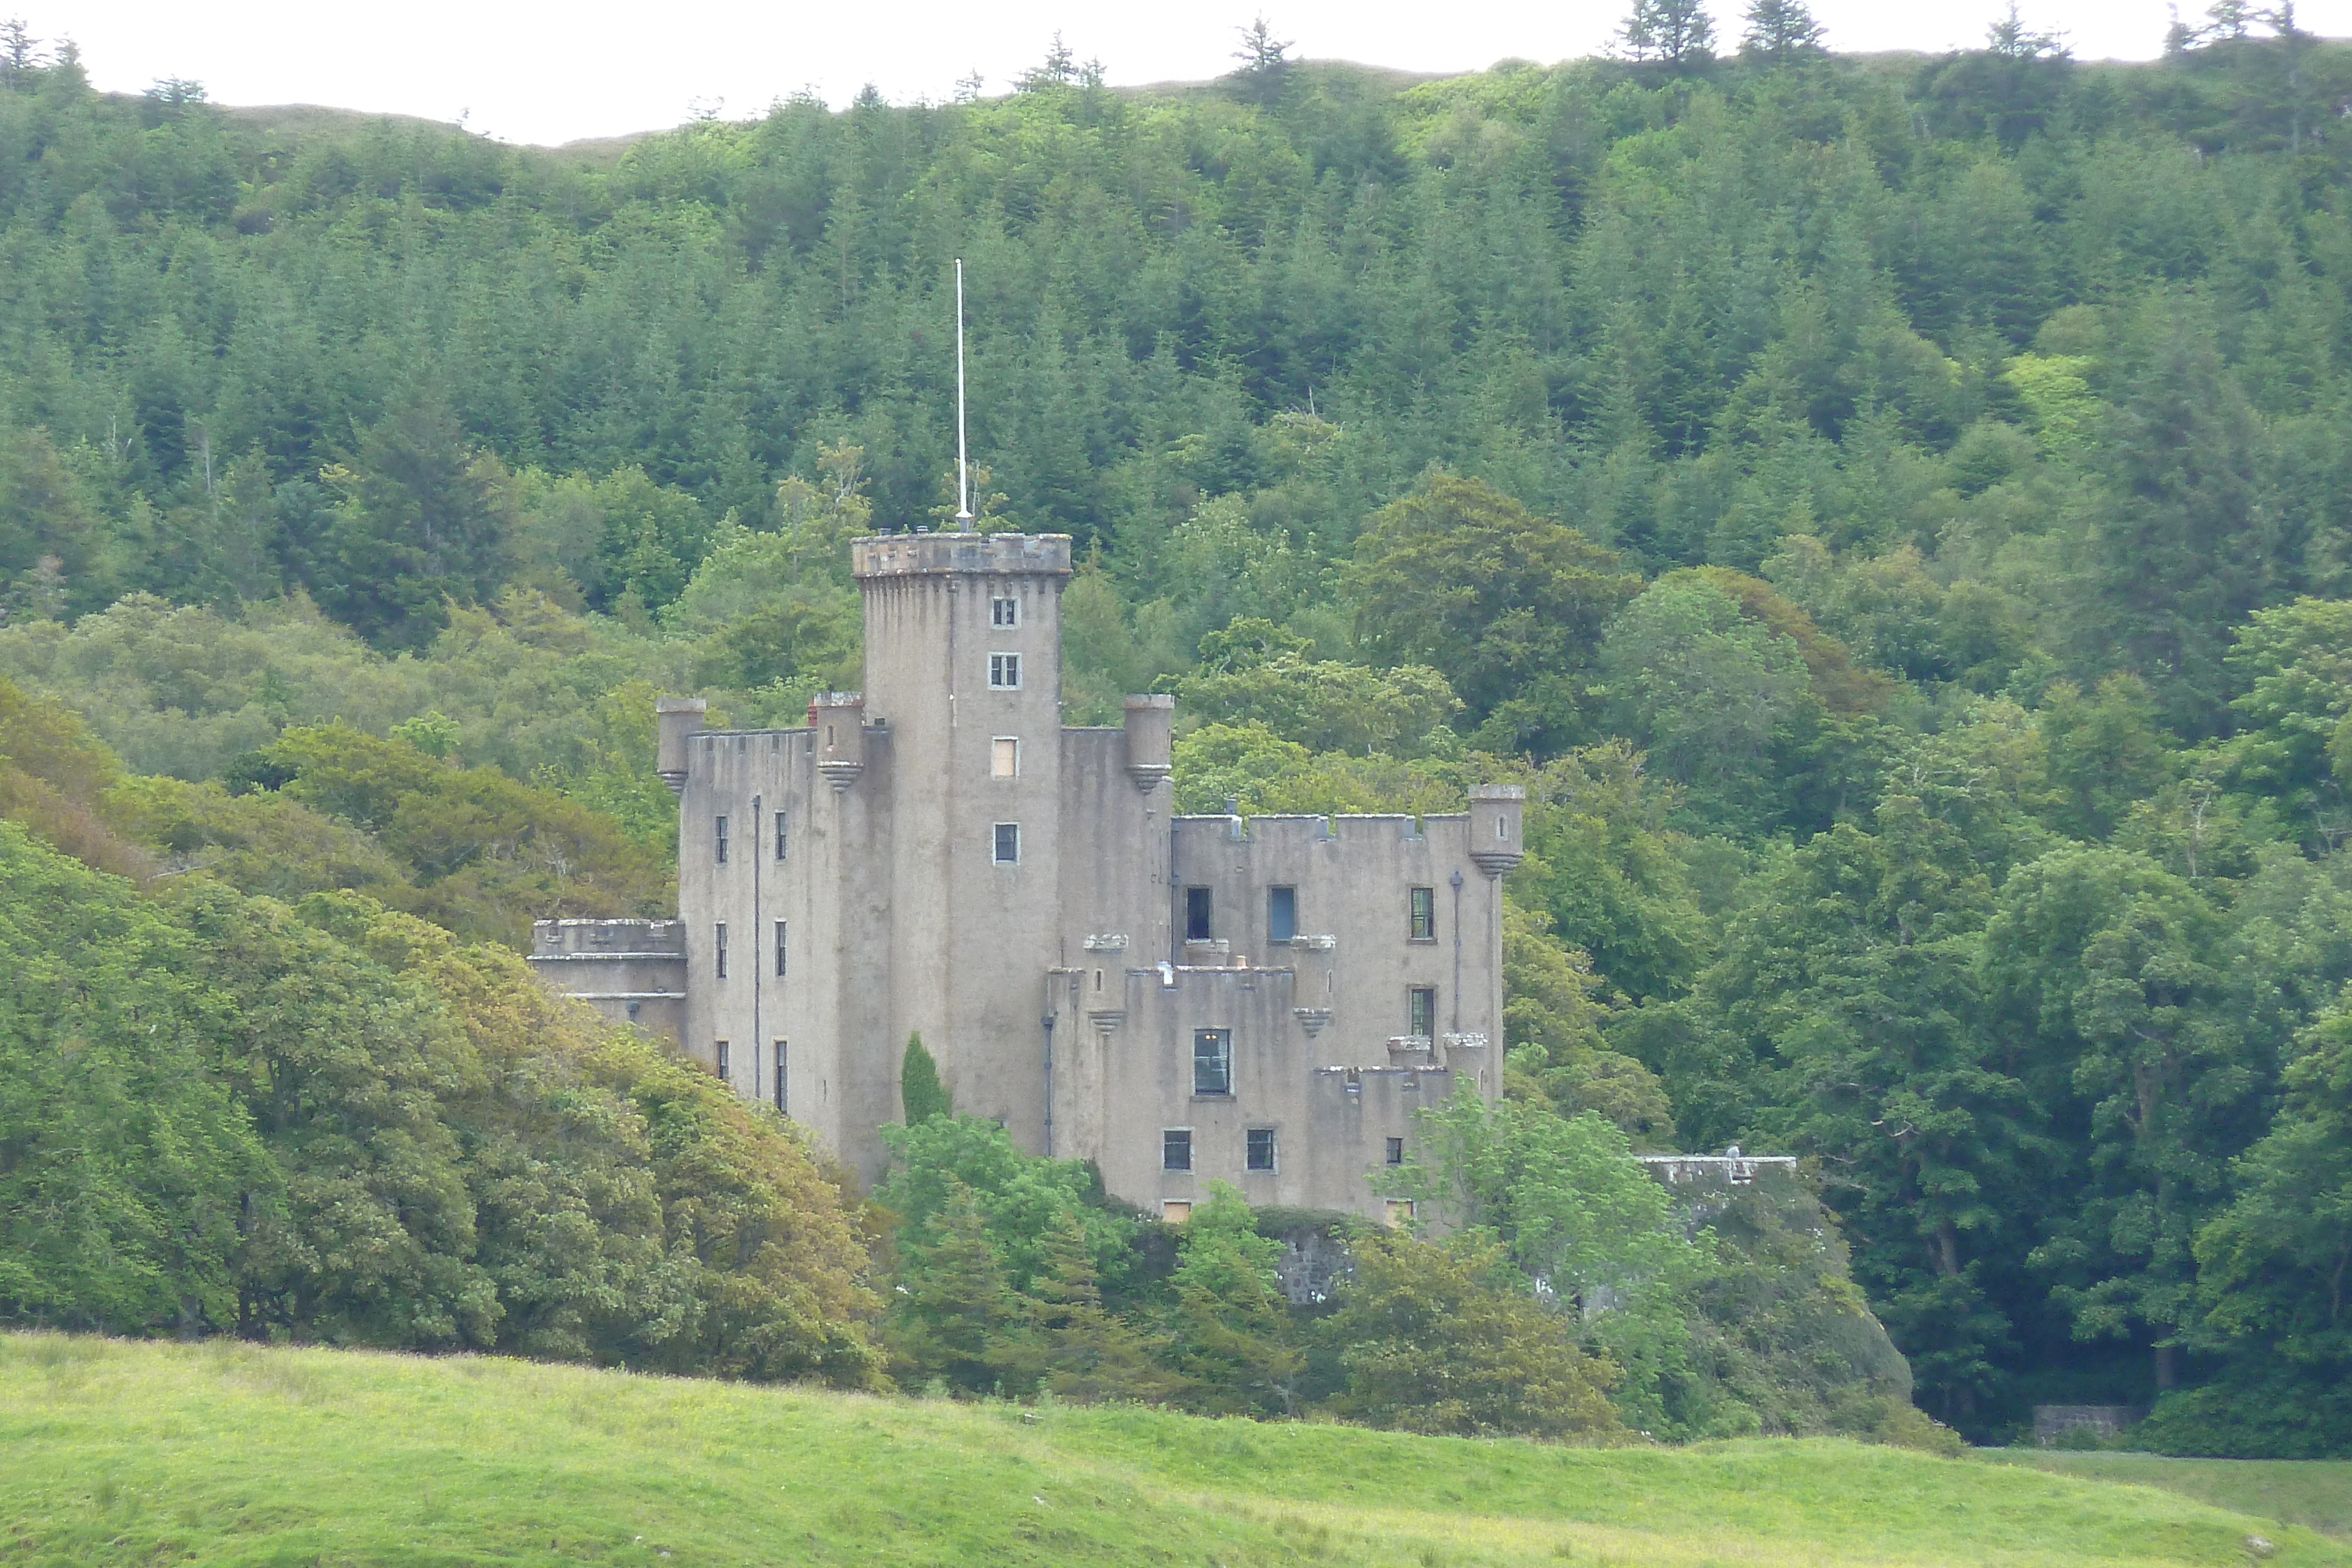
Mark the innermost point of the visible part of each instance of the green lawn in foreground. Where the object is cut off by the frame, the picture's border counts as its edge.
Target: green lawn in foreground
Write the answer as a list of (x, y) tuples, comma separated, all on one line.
[(116, 1453), (2316, 1492)]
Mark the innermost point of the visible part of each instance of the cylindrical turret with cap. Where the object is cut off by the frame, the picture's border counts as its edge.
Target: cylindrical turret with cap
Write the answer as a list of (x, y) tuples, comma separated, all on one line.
[(1151, 739), (677, 719), (837, 720), (1495, 827)]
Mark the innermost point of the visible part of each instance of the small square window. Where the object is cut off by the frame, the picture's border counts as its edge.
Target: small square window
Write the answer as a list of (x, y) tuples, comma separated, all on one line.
[(1421, 1010), (719, 951), (1261, 1148), (1396, 1151), (1003, 758), (1005, 612), (1213, 1061), (1424, 915), (1175, 1212), (1198, 907), (1281, 914), (1008, 843), (719, 839), (1004, 672), (784, 837), (1176, 1149), (722, 1062)]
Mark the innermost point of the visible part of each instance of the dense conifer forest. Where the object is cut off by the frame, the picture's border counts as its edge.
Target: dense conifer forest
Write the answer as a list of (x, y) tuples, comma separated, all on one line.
[(1893, 513)]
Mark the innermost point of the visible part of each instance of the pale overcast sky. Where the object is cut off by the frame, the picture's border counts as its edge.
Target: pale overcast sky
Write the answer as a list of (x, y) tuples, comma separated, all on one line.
[(553, 73)]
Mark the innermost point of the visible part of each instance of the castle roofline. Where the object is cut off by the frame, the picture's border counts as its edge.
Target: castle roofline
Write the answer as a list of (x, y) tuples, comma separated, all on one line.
[(940, 555)]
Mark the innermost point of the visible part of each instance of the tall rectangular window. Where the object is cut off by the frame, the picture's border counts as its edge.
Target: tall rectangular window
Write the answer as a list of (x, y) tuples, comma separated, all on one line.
[(783, 836), (1424, 915), (1008, 843), (1261, 1148), (1176, 1149), (719, 951), (1198, 908), (1005, 612), (1281, 914), (1421, 1008), (1213, 1061), (1004, 758), (783, 1101), (719, 837), (780, 949), (1396, 1151), (1004, 672), (723, 1072)]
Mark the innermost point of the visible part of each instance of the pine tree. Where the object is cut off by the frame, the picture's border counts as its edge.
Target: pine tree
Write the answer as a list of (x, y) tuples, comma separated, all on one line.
[(1231, 1331), (921, 1095), (1780, 31), (1677, 34), (1068, 1343), (954, 1307)]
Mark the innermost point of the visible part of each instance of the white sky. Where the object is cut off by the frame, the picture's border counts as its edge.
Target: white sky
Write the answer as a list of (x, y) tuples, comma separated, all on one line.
[(550, 73)]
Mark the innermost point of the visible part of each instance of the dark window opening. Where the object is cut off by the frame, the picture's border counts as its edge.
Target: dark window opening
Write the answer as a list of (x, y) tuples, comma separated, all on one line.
[(722, 1062), (1213, 1061), (1008, 843), (719, 840), (1004, 672), (782, 1103), (1197, 907), (1396, 1151), (1422, 1005), (1424, 915), (1005, 612), (1281, 914), (780, 949), (783, 842), (1261, 1148), (1176, 1149), (721, 950)]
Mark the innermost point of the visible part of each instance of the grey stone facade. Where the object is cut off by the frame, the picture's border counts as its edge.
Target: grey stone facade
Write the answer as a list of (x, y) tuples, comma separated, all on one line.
[(1267, 1000)]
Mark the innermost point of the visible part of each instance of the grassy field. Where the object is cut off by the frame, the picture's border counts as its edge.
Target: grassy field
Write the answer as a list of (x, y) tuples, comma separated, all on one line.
[(150, 1454), (2314, 1492)]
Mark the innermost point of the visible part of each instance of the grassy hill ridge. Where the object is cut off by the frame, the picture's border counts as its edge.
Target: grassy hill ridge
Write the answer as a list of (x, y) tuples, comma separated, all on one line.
[(228, 1453)]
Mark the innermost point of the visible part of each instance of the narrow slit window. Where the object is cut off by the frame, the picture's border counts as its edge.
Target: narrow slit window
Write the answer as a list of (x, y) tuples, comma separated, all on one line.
[(783, 1101), (1004, 672), (1424, 915), (1198, 908), (1421, 1011), (1005, 612), (719, 837), (1213, 1061), (1176, 1149), (718, 950), (723, 1072), (1260, 1148), (1008, 843), (781, 948), (783, 836), (1281, 914), (1004, 758)]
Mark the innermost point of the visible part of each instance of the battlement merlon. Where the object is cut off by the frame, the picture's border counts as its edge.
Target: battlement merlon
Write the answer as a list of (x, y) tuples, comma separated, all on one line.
[(941, 555)]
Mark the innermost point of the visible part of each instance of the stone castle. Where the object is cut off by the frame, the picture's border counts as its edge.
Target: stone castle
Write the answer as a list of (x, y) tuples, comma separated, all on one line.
[(1180, 1000)]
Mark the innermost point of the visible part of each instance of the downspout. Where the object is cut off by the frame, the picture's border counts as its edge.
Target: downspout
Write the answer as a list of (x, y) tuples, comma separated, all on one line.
[(759, 947), (1047, 1019), (1455, 883)]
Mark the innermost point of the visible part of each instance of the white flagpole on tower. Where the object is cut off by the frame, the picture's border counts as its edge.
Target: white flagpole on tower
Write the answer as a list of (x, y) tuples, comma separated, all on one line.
[(964, 468)]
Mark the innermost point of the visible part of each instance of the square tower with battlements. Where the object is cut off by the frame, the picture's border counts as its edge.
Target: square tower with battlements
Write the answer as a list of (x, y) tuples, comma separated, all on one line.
[(1178, 999)]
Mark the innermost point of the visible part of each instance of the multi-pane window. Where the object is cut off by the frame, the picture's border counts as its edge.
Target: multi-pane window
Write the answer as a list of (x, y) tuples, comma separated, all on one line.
[(1421, 1010), (783, 836), (1261, 1148), (780, 949), (1003, 758), (1005, 612), (719, 837), (784, 1105), (722, 1062), (1008, 843), (718, 950), (1198, 907), (1424, 915), (1213, 1061), (1176, 1149), (1281, 914), (1004, 672), (1396, 1151)]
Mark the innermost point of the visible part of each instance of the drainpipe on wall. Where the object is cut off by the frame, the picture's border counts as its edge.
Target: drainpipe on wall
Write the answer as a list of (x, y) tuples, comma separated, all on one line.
[(1455, 883), (1047, 1019), (759, 952)]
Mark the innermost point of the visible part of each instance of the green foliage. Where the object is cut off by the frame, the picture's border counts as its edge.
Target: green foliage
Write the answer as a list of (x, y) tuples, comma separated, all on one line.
[(920, 1093), (1228, 1326)]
